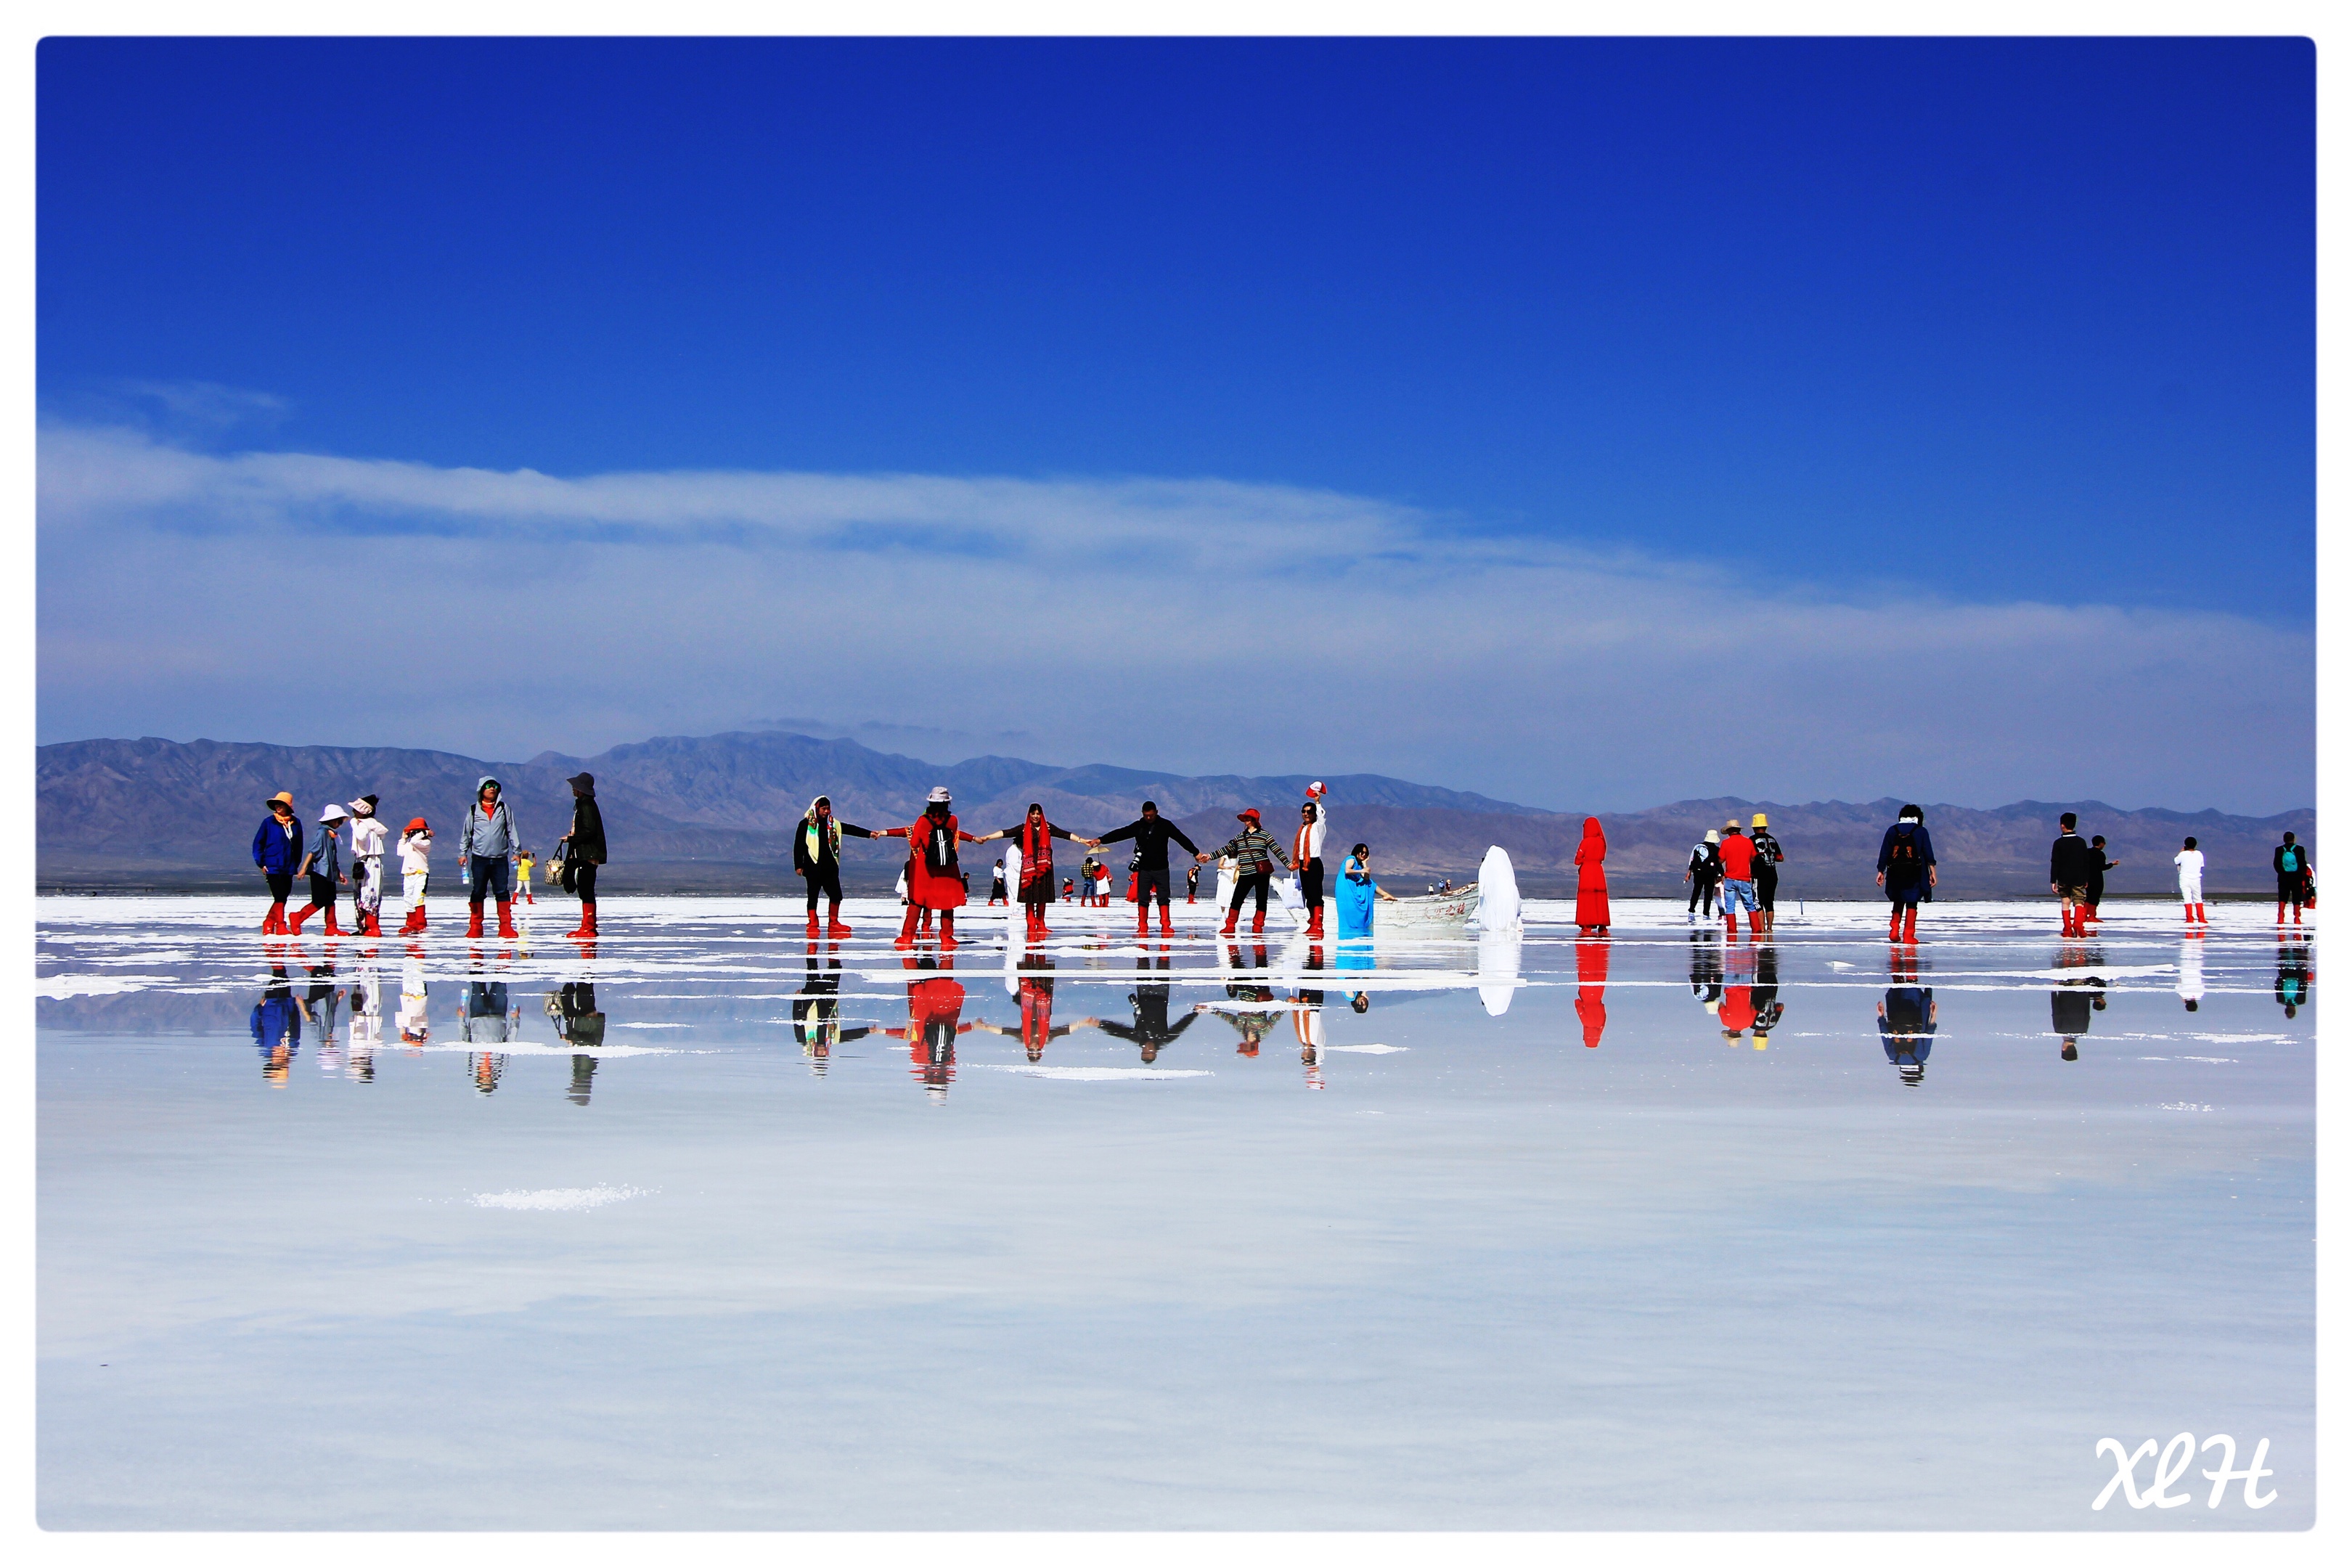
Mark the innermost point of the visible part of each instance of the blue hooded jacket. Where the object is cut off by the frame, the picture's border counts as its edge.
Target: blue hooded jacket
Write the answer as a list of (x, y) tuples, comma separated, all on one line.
[(1904, 871)]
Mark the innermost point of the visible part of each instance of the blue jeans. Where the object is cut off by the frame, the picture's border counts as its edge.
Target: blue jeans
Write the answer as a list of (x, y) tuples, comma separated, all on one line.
[(488, 874), (1737, 896)]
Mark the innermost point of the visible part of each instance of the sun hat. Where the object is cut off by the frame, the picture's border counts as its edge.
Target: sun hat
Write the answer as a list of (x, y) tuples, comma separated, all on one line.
[(417, 824), (333, 812), (1760, 821), (363, 806), (1248, 814), (1713, 836), (938, 795), (284, 797)]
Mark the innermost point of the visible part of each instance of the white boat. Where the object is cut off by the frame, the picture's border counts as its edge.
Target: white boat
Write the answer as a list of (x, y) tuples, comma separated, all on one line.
[(1431, 913)]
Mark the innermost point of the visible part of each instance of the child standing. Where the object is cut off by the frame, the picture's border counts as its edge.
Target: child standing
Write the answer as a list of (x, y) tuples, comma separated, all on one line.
[(416, 852), (2100, 867), (2191, 863), (524, 862)]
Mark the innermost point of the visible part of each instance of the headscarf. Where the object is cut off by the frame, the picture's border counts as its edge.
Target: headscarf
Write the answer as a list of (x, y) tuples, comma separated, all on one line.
[(1594, 836), (831, 827)]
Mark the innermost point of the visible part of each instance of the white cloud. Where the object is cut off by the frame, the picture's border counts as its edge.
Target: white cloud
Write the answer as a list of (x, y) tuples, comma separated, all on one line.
[(1200, 625)]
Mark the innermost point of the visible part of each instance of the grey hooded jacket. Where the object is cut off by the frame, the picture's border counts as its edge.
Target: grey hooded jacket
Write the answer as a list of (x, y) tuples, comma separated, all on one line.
[(493, 836)]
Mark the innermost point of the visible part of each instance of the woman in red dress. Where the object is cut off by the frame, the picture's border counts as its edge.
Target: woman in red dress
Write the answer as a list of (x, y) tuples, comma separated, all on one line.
[(934, 881), (1591, 881)]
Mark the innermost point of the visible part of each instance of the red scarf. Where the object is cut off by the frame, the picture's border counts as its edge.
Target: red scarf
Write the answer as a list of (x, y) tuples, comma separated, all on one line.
[(1036, 850)]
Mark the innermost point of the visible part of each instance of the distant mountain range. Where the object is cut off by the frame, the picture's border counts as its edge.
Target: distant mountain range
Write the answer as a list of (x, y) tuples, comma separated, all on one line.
[(715, 814)]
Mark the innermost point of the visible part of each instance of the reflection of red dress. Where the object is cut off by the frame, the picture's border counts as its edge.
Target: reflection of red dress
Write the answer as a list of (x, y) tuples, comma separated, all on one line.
[(934, 1011), (1592, 988), (1591, 881)]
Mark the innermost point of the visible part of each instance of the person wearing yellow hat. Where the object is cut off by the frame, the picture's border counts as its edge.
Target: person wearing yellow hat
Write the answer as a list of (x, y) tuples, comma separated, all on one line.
[(1768, 856), (278, 850)]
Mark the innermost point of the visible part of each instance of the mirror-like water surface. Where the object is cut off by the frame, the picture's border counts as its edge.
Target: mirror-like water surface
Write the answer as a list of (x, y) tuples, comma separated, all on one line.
[(711, 1226)]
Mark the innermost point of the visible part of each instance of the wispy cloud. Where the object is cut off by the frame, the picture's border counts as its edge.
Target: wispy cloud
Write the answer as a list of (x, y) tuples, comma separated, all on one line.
[(1175, 622)]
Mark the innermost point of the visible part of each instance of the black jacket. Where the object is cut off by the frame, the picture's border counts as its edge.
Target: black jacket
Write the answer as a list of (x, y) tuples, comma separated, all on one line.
[(587, 830), (1151, 835), (2071, 859)]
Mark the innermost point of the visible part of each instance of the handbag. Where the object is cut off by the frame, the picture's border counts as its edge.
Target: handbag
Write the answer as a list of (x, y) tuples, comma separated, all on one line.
[(560, 864)]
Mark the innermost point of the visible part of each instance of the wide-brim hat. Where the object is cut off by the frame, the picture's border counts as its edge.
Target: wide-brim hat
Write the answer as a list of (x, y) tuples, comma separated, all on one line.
[(417, 824), (1248, 814), (333, 812), (588, 779), (366, 802), (939, 797), (284, 797)]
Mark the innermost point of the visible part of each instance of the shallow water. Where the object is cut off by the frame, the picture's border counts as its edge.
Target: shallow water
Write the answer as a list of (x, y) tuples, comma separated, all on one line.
[(1526, 1243)]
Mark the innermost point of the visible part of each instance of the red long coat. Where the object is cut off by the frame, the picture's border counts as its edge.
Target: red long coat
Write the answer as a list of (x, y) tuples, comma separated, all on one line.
[(1592, 881), (1592, 988)]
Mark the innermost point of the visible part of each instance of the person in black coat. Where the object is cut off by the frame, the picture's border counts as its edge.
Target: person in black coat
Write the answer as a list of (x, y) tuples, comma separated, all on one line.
[(1151, 833), (586, 850), (2292, 862), (2070, 877)]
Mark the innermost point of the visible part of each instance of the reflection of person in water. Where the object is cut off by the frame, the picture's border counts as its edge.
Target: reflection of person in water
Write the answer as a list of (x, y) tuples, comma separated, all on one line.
[(1766, 998), (1253, 1026), (321, 1003), (1036, 996), (1307, 1022), (277, 1022), (578, 1023), (2189, 987), (817, 1013), (1149, 1001), (934, 1019), (2072, 1002), (1907, 1016), (366, 998), (415, 1028), (1593, 987), (2293, 987), (1737, 1010), (486, 1018), (1705, 969)]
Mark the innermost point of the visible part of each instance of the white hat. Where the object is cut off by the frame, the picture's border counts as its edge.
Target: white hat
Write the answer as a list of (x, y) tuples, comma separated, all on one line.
[(938, 795), (333, 812)]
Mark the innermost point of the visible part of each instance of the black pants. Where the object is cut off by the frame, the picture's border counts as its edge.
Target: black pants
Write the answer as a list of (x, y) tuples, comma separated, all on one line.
[(1767, 885), (826, 880), (1311, 884), (1148, 877), (1261, 880), (583, 880), (281, 885), (322, 891), (1703, 892)]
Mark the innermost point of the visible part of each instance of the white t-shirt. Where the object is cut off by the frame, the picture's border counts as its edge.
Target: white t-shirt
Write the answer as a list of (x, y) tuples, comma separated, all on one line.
[(2191, 863), (415, 853)]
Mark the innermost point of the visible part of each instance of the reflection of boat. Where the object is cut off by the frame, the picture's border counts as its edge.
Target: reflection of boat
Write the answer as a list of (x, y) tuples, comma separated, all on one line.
[(1431, 911)]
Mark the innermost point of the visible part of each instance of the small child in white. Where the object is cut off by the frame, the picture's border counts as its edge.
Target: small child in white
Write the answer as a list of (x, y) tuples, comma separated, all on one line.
[(416, 870), (2190, 863)]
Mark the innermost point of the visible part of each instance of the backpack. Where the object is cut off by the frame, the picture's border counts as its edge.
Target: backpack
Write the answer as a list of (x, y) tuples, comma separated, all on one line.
[(1904, 851)]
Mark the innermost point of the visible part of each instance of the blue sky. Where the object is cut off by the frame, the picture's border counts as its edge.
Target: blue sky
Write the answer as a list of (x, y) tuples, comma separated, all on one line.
[(1911, 329)]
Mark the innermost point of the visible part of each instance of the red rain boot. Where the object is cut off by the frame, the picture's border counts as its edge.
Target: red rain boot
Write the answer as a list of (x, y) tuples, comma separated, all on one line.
[(1315, 923), (274, 922), (1730, 922), (1143, 919), (1894, 924), (2200, 916), (473, 926), (1257, 923), (2298, 914), (833, 922), (2282, 914), (1754, 928), (332, 929), (370, 925), (1167, 928), (294, 926), (907, 928), (1234, 914), (588, 922), (947, 930), (1911, 923), (506, 917), (811, 921)]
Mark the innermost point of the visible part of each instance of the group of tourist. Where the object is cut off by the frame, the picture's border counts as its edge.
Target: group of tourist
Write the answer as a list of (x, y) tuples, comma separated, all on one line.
[(492, 863), (1736, 867)]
